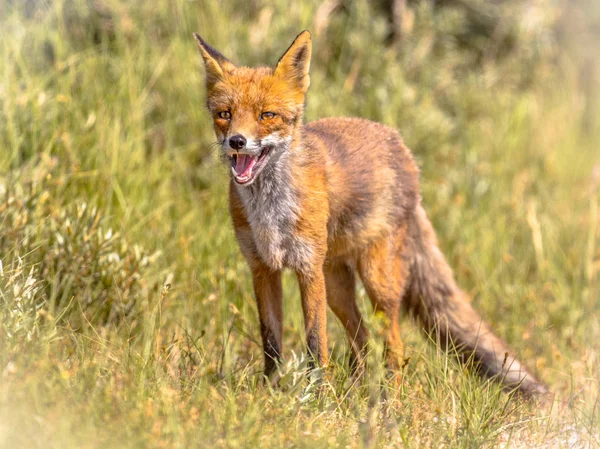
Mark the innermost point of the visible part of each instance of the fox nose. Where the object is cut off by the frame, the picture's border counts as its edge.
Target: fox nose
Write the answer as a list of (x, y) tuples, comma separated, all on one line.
[(237, 142)]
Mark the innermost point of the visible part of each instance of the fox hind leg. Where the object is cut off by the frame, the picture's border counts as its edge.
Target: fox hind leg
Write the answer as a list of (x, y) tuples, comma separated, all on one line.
[(384, 274), (340, 282)]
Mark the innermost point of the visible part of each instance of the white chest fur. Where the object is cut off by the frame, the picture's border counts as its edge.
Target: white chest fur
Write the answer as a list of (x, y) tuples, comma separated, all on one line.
[(272, 209)]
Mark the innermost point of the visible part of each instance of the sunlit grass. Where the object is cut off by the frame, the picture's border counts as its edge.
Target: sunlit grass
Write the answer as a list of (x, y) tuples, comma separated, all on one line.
[(109, 191)]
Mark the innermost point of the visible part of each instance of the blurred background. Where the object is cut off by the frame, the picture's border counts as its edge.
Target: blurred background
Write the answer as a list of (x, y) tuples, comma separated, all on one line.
[(120, 279)]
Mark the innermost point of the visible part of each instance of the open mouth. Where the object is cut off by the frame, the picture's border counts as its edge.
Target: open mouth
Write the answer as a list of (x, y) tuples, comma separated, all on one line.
[(245, 167)]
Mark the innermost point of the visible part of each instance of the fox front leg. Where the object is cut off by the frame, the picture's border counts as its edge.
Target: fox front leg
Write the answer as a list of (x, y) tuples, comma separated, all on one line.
[(268, 292), (314, 306)]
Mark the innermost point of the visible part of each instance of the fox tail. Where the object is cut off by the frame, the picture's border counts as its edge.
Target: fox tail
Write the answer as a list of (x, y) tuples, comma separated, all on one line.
[(445, 311)]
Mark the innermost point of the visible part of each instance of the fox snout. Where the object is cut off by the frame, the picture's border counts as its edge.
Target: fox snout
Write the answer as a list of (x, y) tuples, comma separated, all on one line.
[(240, 143), (237, 142), (246, 156)]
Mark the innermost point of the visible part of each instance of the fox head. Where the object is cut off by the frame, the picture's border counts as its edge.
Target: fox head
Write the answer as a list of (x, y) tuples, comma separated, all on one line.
[(256, 110)]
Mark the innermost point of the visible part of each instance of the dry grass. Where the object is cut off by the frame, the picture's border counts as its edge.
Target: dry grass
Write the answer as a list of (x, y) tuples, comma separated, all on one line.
[(108, 192)]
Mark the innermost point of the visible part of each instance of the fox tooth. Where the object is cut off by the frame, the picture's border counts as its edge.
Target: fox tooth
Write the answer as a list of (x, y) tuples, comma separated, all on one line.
[(233, 171)]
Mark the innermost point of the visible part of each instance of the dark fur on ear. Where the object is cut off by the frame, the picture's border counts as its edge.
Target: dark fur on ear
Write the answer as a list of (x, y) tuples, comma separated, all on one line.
[(294, 65), (216, 64)]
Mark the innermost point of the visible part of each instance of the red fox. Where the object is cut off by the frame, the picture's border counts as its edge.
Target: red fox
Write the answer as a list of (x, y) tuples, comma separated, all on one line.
[(332, 199)]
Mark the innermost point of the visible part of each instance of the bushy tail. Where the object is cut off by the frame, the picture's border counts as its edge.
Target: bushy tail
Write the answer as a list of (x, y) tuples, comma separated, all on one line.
[(444, 310)]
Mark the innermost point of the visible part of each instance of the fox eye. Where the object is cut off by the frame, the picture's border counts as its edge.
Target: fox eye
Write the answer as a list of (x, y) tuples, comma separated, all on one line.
[(267, 115), (226, 115)]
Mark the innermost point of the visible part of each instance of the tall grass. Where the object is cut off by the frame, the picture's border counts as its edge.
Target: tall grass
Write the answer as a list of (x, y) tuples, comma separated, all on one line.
[(126, 311)]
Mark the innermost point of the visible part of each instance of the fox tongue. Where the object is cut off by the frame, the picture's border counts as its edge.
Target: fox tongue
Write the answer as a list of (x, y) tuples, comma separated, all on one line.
[(244, 164)]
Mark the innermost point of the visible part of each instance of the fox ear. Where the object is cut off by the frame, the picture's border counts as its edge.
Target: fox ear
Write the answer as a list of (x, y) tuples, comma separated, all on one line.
[(294, 65), (216, 64)]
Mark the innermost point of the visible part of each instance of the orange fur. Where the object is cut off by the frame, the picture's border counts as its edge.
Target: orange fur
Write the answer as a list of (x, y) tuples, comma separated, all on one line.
[(335, 197)]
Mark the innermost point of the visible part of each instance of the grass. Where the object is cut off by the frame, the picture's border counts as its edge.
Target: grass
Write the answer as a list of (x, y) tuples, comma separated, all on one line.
[(126, 310)]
